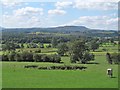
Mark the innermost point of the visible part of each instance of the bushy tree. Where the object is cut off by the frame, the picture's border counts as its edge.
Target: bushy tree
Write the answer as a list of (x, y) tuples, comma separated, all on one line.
[(73, 58), (56, 58), (17, 46), (22, 45), (8, 46), (94, 46), (87, 57), (62, 49), (27, 56), (108, 57), (45, 58), (11, 56), (115, 58), (37, 57), (54, 42), (18, 57), (5, 57), (80, 53)]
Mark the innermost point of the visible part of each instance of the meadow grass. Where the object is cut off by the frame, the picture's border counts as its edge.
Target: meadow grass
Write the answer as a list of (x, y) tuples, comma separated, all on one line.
[(16, 76)]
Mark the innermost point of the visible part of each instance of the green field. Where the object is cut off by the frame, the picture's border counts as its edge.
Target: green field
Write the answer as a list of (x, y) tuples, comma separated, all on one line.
[(15, 76)]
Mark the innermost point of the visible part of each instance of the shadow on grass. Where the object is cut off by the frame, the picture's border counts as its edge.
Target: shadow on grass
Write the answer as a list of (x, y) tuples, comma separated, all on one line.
[(61, 62), (92, 63), (113, 77)]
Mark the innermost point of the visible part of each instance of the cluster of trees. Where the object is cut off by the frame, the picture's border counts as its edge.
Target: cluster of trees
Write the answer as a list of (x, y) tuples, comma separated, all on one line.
[(21, 38), (30, 57), (78, 51), (12, 46), (113, 58)]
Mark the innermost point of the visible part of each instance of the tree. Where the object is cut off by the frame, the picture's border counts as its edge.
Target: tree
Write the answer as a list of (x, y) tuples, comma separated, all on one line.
[(80, 52), (11, 56), (17, 46), (54, 42), (17, 57), (56, 58), (37, 57), (94, 46), (27, 56), (108, 57), (62, 49), (22, 45), (8, 46), (73, 58), (87, 57), (115, 58), (5, 57), (45, 58)]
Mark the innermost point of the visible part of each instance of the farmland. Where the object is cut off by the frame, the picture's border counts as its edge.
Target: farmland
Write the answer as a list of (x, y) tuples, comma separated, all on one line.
[(94, 76), (60, 49)]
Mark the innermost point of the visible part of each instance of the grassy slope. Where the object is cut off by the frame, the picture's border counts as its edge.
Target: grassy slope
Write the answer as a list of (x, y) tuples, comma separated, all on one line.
[(15, 76)]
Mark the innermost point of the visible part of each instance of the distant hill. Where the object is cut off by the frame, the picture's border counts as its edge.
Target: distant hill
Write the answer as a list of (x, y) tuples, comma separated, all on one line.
[(66, 29)]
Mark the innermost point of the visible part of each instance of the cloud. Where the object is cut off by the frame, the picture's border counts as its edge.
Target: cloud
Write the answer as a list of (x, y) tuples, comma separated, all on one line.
[(60, 5), (10, 4), (96, 5), (89, 4), (92, 0), (28, 11), (56, 12), (101, 22), (21, 21), (24, 17)]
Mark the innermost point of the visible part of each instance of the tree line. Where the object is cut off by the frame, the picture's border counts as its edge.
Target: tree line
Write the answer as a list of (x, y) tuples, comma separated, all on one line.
[(30, 57)]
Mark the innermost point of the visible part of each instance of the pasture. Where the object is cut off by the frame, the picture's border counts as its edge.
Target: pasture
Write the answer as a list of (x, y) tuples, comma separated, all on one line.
[(15, 76)]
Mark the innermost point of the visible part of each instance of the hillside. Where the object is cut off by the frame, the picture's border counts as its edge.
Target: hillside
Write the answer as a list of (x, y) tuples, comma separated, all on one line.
[(81, 30)]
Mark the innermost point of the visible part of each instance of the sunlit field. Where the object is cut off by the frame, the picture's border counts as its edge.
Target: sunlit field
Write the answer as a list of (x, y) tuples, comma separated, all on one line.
[(16, 76)]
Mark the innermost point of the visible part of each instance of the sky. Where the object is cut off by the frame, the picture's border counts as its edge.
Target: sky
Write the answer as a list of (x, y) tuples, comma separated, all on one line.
[(95, 14)]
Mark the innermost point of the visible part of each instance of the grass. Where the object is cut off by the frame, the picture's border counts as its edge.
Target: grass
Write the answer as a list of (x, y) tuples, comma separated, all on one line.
[(15, 76)]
